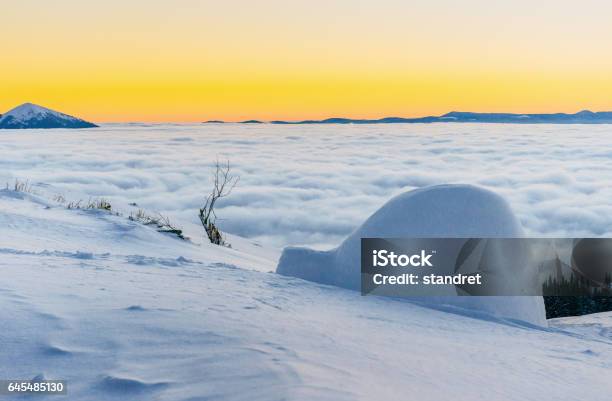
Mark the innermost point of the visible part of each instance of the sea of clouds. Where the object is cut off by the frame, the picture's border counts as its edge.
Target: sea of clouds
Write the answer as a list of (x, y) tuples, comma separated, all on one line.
[(313, 184)]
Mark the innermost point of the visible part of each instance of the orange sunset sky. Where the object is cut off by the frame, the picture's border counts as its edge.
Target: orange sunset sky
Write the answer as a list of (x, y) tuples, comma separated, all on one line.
[(191, 60)]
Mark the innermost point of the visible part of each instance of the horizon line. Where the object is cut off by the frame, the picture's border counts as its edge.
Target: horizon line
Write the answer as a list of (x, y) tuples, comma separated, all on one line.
[(454, 115), (314, 120)]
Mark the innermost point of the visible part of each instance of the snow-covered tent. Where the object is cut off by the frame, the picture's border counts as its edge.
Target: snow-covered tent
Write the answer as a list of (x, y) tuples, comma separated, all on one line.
[(437, 211)]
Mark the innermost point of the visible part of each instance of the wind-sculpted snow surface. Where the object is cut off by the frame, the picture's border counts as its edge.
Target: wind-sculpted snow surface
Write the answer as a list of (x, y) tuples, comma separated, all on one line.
[(123, 312), (438, 211)]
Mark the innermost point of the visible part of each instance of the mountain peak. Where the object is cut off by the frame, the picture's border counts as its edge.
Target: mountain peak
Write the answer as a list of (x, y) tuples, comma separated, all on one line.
[(30, 115), (28, 109)]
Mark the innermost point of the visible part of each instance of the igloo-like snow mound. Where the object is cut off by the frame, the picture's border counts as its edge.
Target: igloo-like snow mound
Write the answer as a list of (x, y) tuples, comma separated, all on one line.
[(436, 211)]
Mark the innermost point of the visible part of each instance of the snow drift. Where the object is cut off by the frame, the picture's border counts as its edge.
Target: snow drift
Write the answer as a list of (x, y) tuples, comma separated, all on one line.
[(437, 211), (123, 312)]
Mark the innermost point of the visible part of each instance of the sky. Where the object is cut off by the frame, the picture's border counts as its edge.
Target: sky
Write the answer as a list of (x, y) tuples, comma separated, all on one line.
[(187, 61)]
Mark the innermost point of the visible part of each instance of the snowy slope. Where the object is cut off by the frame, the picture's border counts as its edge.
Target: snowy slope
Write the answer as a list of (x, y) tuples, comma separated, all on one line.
[(123, 312), (30, 115)]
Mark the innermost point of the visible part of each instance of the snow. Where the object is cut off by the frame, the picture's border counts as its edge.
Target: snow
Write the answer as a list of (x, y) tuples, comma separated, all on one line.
[(40, 230), (437, 211), (123, 312), (29, 111), (30, 115)]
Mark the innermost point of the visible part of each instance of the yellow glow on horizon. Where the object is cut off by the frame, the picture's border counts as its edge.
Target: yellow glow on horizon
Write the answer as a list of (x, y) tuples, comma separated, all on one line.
[(199, 60)]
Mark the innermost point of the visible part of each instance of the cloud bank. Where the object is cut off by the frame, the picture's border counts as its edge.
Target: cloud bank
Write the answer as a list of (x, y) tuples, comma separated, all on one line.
[(312, 185)]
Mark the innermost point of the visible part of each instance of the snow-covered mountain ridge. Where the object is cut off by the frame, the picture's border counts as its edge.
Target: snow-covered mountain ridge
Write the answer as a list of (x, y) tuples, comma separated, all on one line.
[(30, 115)]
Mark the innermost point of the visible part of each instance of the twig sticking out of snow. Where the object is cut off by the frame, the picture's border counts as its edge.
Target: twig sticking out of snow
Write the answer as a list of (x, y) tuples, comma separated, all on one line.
[(161, 222), (223, 184), (20, 186)]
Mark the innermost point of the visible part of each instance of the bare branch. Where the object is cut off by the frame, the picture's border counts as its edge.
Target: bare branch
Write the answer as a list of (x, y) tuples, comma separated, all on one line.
[(223, 184)]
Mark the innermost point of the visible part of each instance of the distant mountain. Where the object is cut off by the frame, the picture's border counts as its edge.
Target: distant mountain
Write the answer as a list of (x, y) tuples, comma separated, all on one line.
[(29, 115), (214, 122), (251, 122), (583, 117)]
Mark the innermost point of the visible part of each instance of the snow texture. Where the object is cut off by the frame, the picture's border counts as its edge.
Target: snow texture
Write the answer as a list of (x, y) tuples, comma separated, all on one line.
[(437, 211), (123, 312)]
